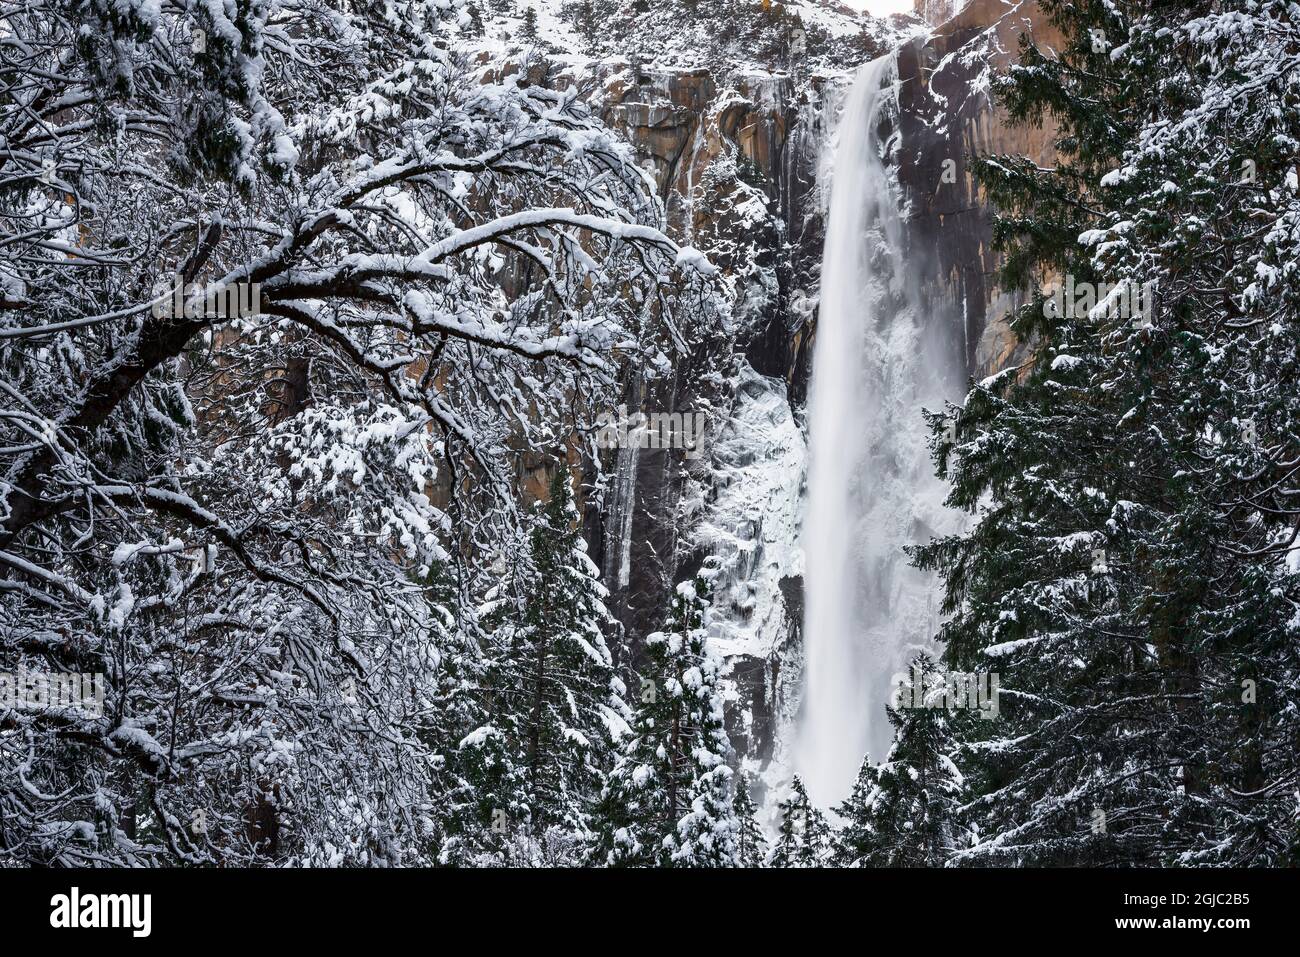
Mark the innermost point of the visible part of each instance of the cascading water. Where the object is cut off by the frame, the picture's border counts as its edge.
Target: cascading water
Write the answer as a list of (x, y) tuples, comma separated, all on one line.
[(871, 488)]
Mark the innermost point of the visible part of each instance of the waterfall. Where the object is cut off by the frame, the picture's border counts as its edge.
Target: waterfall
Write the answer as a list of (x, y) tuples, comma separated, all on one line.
[(877, 362)]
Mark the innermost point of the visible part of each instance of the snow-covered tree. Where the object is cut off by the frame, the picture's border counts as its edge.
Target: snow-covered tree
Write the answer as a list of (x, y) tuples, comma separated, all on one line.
[(751, 844), (907, 811), (558, 699), (668, 801), (230, 509), (805, 839), (475, 22), (856, 841), (528, 30), (1132, 571)]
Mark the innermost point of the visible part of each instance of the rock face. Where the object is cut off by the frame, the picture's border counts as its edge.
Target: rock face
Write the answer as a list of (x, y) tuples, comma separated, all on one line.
[(935, 12), (737, 167), (748, 519), (741, 168), (945, 118)]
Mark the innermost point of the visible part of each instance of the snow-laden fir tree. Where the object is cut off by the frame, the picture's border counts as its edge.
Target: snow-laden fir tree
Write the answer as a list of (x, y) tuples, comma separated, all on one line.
[(668, 801), (528, 29), (805, 839), (856, 840), (556, 697), (907, 811), (751, 844), (1132, 571)]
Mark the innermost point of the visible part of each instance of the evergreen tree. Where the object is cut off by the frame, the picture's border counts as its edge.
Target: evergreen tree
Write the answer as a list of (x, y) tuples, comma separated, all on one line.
[(475, 20), (1132, 573), (751, 845), (482, 801), (559, 705), (586, 20), (805, 839), (905, 813), (529, 29), (668, 801), (857, 843)]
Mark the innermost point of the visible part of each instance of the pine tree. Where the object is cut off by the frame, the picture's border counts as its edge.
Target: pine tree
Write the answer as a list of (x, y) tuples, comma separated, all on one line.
[(559, 704), (905, 813), (529, 29), (856, 842), (1132, 571), (805, 839), (476, 783), (668, 800), (751, 845), (586, 20)]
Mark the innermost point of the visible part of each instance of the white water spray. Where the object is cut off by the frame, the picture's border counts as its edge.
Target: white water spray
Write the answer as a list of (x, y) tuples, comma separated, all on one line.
[(871, 488)]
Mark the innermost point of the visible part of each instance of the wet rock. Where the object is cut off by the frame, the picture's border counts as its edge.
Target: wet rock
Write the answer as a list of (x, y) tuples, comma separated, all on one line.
[(946, 117)]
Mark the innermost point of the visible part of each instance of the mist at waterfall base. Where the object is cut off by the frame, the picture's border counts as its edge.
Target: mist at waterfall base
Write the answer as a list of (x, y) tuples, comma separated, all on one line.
[(877, 363)]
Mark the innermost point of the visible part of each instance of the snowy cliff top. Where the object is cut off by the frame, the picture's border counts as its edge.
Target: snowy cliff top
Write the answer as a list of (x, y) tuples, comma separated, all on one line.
[(726, 35)]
